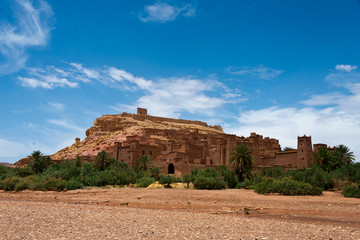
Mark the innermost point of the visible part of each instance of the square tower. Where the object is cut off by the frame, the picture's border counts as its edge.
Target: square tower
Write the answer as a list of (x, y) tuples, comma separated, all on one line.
[(141, 111)]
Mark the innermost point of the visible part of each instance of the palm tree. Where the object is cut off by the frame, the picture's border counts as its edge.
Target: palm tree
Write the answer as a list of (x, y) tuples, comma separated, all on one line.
[(242, 161), (38, 162), (325, 158), (102, 160), (345, 155), (143, 162)]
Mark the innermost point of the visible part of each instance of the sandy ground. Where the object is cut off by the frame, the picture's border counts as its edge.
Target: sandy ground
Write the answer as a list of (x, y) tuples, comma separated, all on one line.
[(129, 213)]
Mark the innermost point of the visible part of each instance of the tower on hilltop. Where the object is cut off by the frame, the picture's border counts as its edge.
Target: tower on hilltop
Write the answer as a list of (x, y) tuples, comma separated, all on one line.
[(141, 111)]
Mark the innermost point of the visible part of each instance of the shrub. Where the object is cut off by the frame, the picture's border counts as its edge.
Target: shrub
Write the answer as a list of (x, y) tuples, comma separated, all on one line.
[(20, 172), (125, 177), (187, 180), (145, 182), (264, 187), (73, 184), (52, 184), (88, 174), (286, 186), (166, 180), (22, 185), (229, 177), (8, 184), (351, 191), (203, 182), (245, 184), (107, 177)]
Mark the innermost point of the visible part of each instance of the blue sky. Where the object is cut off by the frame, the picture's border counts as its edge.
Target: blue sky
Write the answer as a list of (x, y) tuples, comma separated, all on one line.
[(278, 68)]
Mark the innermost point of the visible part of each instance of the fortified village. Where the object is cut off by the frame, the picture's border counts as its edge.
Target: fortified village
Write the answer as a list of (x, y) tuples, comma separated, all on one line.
[(176, 146)]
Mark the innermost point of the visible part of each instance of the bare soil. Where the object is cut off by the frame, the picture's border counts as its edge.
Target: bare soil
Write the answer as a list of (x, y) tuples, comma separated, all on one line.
[(133, 213)]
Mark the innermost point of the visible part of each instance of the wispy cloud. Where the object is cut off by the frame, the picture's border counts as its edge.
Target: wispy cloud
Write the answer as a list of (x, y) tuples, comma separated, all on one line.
[(345, 68), (163, 96), (258, 72), (170, 97), (163, 12), (55, 107), (343, 76), (31, 30), (74, 74), (65, 124)]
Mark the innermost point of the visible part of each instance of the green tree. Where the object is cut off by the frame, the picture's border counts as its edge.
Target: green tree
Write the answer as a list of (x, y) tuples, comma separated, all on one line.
[(345, 156), (38, 162), (324, 157), (155, 172), (102, 160), (242, 161), (330, 161), (143, 163)]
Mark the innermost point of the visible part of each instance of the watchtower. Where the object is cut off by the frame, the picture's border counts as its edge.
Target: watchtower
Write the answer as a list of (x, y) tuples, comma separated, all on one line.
[(141, 111), (304, 152)]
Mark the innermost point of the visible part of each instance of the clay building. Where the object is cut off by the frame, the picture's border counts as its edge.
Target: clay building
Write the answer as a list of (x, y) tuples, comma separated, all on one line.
[(176, 145), (178, 151)]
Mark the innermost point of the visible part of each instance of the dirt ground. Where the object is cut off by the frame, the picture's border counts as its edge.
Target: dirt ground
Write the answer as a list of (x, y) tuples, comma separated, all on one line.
[(134, 213)]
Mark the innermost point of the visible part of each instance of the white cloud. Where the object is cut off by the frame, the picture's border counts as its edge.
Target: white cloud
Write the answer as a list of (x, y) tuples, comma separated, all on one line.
[(169, 97), (55, 106), (165, 97), (121, 75), (345, 68), (331, 118), (12, 149), (65, 124), (323, 100), (73, 74), (259, 72), (32, 30), (162, 12), (47, 82)]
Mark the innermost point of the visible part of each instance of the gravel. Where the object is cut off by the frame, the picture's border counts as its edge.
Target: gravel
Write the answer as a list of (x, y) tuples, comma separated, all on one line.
[(175, 214)]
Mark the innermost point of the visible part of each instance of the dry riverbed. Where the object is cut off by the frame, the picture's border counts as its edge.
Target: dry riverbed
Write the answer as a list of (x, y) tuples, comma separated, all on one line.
[(130, 213)]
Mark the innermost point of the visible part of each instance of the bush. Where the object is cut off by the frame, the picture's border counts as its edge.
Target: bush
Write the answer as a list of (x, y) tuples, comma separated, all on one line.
[(166, 180), (52, 184), (245, 184), (229, 177), (203, 182), (88, 174), (22, 185), (107, 177), (264, 187), (187, 180), (20, 172), (73, 184), (8, 184), (351, 191), (145, 182), (286, 186)]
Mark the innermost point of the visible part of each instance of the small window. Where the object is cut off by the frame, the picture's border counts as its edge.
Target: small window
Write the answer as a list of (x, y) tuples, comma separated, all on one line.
[(150, 152), (143, 152), (303, 158)]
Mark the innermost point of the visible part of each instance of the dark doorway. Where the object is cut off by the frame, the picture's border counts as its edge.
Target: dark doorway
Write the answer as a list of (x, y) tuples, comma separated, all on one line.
[(171, 169)]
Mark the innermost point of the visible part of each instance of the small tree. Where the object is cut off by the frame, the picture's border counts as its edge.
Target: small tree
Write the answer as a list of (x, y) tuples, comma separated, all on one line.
[(143, 163), (187, 180), (242, 161), (155, 172), (39, 163), (102, 160)]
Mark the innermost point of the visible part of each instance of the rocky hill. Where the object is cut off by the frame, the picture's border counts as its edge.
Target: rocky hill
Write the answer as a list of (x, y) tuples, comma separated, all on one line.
[(109, 129)]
